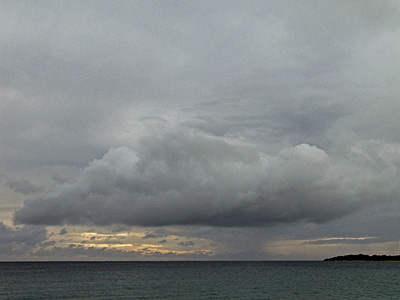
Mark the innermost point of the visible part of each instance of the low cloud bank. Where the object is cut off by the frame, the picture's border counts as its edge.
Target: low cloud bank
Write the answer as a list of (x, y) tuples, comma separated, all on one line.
[(19, 240), (187, 177)]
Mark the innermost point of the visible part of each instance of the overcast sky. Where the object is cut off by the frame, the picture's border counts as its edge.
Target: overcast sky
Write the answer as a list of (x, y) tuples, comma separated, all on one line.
[(142, 130)]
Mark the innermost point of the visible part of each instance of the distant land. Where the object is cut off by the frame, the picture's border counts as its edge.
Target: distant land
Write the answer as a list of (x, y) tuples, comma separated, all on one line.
[(363, 257)]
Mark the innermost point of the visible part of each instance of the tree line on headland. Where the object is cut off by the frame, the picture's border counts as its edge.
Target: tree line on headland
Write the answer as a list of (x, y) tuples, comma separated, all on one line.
[(363, 257)]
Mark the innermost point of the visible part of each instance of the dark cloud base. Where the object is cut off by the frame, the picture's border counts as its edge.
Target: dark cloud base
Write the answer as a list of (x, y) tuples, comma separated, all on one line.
[(288, 115), (15, 241), (186, 177)]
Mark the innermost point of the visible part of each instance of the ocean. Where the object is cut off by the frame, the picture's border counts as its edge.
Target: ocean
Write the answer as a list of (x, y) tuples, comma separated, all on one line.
[(199, 280)]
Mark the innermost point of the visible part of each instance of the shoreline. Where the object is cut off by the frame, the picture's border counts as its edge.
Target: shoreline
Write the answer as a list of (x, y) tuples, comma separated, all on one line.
[(364, 257)]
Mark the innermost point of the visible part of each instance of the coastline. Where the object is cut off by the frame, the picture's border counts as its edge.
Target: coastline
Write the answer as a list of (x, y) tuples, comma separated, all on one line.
[(364, 257)]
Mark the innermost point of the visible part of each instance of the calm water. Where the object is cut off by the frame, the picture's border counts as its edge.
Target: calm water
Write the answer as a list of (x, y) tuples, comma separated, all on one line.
[(200, 280)]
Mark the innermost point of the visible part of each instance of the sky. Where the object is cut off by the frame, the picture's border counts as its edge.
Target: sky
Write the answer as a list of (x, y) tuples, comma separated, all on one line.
[(199, 130)]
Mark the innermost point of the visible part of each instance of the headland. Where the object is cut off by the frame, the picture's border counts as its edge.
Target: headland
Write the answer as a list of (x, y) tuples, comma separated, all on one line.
[(364, 257)]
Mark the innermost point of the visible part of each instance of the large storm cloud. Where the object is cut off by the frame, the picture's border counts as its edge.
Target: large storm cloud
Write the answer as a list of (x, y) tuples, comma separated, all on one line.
[(185, 176), (223, 116)]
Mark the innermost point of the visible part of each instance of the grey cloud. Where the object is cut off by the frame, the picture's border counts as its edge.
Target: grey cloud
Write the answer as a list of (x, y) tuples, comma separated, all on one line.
[(292, 112), (347, 241), (24, 186), (25, 235), (119, 228), (184, 177), (79, 252), (21, 239), (48, 243), (187, 244), (66, 80), (9, 208), (59, 179), (159, 233), (307, 123), (151, 236), (63, 231)]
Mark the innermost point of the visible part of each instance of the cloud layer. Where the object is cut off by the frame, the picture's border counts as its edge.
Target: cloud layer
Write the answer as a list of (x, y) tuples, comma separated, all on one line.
[(232, 114), (20, 240), (183, 176)]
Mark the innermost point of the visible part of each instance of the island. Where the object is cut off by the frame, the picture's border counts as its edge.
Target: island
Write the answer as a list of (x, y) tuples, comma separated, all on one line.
[(364, 257)]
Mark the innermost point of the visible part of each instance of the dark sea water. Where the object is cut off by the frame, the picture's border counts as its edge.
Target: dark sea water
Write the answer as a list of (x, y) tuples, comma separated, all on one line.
[(200, 280)]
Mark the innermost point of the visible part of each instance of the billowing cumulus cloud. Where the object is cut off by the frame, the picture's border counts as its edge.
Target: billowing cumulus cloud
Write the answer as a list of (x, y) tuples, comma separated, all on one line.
[(185, 177), (228, 114)]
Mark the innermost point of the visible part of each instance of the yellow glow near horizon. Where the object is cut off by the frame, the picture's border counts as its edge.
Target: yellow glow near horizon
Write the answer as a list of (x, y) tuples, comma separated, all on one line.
[(152, 246), (91, 234), (102, 245)]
